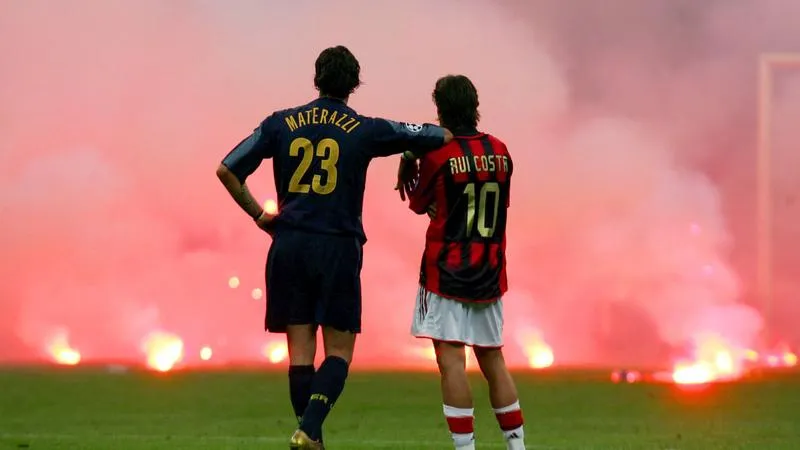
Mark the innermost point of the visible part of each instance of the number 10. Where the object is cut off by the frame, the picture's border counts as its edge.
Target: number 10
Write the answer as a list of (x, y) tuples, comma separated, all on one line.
[(480, 207)]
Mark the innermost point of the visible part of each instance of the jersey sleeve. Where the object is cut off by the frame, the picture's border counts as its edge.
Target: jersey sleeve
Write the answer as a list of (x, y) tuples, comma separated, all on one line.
[(423, 193), (391, 138), (245, 158)]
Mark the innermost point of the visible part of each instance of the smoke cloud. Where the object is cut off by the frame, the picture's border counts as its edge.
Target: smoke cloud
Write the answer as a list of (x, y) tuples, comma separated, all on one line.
[(632, 125)]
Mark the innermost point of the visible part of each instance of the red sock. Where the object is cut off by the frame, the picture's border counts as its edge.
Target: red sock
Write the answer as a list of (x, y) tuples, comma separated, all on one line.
[(510, 420), (461, 423)]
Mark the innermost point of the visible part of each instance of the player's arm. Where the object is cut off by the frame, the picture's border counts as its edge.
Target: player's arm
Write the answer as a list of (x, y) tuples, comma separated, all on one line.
[(421, 196), (240, 163), (391, 138)]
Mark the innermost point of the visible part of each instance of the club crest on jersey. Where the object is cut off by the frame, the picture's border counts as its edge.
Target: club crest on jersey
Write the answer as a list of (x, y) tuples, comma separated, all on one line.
[(414, 128)]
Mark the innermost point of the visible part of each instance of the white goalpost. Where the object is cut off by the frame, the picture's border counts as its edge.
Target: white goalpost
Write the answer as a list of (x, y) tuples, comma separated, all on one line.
[(769, 63)]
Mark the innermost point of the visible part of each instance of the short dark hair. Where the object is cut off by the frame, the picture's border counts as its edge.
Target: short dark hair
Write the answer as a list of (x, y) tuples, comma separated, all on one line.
[(456, 101), (337, 72)]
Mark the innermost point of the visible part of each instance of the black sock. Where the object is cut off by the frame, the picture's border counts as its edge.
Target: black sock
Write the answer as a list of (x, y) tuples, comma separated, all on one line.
[(325, 390), (300, 378)]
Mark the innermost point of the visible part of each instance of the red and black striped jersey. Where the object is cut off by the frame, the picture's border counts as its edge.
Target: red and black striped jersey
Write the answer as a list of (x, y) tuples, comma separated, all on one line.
[(468, 180)]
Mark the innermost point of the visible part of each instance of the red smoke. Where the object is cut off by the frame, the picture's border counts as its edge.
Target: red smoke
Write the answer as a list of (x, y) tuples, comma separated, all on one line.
[(632, 128)]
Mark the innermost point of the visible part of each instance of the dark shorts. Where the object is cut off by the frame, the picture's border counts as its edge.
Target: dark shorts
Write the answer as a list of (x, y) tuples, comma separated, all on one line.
[(314, 279)]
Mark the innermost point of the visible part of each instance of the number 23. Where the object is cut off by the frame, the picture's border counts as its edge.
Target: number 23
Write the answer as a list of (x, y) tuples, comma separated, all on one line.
[(328, 150)]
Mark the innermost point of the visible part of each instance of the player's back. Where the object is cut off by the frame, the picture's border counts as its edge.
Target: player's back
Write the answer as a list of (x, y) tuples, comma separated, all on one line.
[(320, 168), (322, 152), (465, 243)]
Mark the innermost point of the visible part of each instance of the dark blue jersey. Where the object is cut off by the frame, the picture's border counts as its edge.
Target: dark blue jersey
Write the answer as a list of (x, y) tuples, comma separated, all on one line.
[(320, 153)]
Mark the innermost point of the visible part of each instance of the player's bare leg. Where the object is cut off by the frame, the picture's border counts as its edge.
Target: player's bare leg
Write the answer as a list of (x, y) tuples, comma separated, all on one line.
[(456, 393), (338, 343), (503, 396), (328, 381)]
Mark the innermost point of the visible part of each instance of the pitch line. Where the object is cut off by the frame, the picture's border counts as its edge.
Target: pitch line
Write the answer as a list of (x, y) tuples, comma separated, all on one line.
[(385, 443)]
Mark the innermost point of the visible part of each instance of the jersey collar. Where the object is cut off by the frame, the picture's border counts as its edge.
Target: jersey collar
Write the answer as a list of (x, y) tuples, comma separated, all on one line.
[(466, 133)]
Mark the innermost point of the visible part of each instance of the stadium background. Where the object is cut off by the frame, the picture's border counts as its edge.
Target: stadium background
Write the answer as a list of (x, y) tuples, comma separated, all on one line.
[(633, 224)]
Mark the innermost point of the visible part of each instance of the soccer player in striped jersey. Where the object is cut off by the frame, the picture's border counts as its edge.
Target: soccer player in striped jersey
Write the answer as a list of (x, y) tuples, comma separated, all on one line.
[(464, 187)]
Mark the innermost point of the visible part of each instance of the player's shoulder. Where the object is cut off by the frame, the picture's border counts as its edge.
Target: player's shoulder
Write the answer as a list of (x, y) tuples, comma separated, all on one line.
[(294, 110), (395, 126), (279, 116), (496, 141), (497, 144), (382, 123)]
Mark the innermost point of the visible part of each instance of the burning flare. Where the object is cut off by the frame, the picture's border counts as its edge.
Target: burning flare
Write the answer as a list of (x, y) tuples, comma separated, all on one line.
[(781, 357), (163, 350), (276, 352), (271, 206), (61, 352), (540, 354), (206, 353), (714, 360)]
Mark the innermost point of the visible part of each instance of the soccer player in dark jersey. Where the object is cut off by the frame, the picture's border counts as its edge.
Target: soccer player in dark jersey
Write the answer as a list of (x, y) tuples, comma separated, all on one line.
[(464, 188), (320, 152)]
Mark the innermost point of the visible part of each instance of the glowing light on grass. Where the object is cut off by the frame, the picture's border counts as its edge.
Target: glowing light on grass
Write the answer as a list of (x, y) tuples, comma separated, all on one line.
[(276, 352), (714, 360), (626, 376), (790, 359), (693, 373), (60, 350), (539, 353), (163, 350)]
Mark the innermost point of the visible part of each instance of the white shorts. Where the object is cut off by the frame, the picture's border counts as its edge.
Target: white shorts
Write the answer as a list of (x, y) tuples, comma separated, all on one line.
[(445, 319)]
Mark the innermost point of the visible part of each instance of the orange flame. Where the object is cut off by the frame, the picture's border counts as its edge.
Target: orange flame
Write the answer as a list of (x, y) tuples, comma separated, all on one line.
[(789, 359), (540, 354), (426, 352), (61, 352), (781, 358), (693, 373), (163, 350), (276, 352), (271, 206), (714, 360)]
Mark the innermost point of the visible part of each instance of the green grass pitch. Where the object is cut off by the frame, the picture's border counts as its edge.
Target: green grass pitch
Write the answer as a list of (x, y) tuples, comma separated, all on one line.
[(83, 408)]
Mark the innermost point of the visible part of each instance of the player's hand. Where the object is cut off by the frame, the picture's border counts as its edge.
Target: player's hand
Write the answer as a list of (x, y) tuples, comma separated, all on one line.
[(407, 174), (266, 221), (432, 211)]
